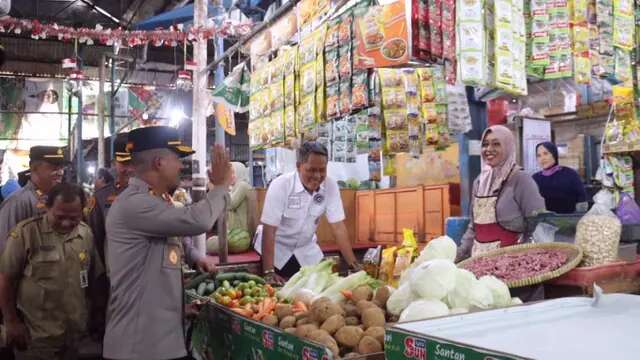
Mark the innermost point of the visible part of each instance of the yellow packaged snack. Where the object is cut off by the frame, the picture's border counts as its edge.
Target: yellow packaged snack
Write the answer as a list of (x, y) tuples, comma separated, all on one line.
[(387, 263)]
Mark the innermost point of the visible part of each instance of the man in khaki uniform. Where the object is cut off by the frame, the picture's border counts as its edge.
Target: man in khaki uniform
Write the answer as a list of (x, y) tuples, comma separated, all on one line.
[(45, 272), (46, 170)]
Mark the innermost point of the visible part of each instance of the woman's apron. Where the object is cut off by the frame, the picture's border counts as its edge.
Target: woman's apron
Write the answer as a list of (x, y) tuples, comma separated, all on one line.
[(490, 234)]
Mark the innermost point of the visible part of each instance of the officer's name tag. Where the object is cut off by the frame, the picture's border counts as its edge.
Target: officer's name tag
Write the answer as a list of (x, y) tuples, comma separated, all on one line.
[(84, 279), (295, 202)]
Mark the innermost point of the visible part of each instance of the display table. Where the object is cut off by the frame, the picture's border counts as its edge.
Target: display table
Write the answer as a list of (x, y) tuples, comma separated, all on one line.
[(570, 328)]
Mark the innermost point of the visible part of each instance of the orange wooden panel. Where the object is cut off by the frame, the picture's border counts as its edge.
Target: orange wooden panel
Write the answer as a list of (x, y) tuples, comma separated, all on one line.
[(408, 212), (364, 214), (385, 216)]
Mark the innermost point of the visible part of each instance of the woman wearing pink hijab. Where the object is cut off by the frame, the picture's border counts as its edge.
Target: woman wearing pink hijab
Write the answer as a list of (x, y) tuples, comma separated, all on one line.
[(503, 196)]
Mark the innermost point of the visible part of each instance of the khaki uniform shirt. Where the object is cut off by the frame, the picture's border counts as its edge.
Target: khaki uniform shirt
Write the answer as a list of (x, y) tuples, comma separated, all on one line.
[(25, 203), (98, 208), (52, 272), (144, 316)]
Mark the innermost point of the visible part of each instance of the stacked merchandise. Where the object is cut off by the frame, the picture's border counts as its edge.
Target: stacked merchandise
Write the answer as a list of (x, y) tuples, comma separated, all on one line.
[(623, 40), (538, 28), (581, 42)]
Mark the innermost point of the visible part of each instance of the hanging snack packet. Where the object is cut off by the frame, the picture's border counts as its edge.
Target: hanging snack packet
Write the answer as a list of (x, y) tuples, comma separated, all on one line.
[(333, 101), (345, 97), (360, 93), (331, 67)]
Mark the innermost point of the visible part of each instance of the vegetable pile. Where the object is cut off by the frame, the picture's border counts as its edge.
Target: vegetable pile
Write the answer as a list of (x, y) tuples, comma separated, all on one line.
[(348, 328), (433, 286)]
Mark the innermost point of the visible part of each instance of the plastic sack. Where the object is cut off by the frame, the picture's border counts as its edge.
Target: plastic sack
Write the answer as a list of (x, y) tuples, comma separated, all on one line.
[(598, 232), (544, 233), (628, 210), (604, 198)]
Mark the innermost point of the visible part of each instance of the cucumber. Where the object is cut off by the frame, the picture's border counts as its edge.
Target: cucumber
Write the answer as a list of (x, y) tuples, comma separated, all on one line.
[(196, 280), (233, 276), (211, 287), (202, 288)]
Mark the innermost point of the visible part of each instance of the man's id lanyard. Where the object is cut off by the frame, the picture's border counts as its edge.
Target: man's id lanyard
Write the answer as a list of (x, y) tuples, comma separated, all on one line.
[(84, 275)]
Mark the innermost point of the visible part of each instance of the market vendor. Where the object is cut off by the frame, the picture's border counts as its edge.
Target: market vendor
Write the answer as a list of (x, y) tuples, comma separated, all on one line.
[(46, 170), (291, 213), (560, 186), (145, 251), (503, 196)]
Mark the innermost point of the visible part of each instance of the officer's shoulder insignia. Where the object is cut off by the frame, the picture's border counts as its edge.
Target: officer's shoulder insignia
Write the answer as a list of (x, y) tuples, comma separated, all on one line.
[(13, 234)]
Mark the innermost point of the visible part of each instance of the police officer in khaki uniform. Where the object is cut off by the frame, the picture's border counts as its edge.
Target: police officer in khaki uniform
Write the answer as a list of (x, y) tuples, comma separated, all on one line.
[(98, 206), (45, 273), (46, 167), (144, 252)]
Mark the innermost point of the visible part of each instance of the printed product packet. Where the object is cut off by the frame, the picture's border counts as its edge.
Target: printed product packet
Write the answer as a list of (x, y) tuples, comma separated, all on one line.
[(471, 42)]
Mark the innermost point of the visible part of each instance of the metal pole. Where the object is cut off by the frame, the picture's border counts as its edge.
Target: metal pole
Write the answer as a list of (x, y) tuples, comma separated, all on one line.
[(112, 115), (79, 147), (199, 124), (102, 75)]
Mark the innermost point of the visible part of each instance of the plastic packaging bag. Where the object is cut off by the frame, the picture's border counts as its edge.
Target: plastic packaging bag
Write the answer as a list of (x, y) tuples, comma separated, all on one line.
[(604, 198), (628, 210), (598, 232), (544, 233)]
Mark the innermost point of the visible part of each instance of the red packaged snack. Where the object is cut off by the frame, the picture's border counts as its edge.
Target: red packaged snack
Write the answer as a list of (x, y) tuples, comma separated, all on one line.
[(435, 27), (449, 29)]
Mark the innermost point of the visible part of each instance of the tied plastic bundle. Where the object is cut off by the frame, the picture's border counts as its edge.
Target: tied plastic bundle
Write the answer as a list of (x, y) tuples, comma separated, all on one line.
[(598, 232)]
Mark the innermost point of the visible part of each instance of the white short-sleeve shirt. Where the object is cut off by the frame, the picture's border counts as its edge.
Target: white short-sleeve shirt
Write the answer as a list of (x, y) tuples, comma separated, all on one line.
[(296, 213)]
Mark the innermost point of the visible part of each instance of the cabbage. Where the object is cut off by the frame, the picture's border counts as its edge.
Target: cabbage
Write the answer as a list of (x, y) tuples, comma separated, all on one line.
[(457, 311), (516, 301), (459, 296), (400, 299), (480, 296), (499, 290), (424, 309), (442, 247), (433, 279)]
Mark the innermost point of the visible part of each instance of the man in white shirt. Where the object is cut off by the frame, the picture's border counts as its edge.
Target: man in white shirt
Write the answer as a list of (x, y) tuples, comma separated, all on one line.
[(291, 213)]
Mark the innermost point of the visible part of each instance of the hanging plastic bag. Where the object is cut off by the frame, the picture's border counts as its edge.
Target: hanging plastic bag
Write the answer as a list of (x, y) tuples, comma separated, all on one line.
[(604, 198), (628, 210)]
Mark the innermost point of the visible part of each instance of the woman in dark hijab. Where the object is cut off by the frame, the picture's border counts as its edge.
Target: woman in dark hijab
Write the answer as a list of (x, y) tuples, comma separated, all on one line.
[(560, 186)]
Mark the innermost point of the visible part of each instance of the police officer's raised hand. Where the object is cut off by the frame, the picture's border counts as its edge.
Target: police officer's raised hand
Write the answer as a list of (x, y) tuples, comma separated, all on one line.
[(221, 172), (17, 334)]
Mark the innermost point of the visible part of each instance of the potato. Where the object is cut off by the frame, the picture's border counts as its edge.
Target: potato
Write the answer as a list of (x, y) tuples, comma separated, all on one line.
[(332, 324), (381, 296), (283, 310), (270, 320), (316, 334), (363, 292), (368, 345), (365, 304), (301, 315), (350, 309), (326, 340), (290, 330), (376, 332), (349, 336), (323, 308), (303, 321), (287, 322), (373, 317), (352, 320), (351, 355), (305, 330)]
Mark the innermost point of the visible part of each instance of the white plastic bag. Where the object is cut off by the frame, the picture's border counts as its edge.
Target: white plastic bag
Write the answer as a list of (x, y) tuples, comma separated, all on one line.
[(598, 232), (544, 233)]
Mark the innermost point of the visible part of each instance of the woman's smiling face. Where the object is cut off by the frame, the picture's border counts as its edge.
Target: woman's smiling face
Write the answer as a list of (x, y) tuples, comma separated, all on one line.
[(492, 150)]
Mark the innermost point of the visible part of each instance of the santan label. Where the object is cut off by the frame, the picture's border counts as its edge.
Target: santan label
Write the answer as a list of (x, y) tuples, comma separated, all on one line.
[(449, 353)]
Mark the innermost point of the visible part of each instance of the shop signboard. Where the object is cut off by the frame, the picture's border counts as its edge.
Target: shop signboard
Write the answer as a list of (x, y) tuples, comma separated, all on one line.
[(401, 345), (232, 336)]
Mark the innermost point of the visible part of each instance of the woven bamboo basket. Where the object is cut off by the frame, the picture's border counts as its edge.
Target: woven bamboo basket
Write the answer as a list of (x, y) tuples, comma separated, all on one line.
[(574, 253)]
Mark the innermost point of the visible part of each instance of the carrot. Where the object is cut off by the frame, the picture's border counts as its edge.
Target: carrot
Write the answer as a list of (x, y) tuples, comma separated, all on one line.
[(299, 307), (270, 290), (347, 293), (243, 312)]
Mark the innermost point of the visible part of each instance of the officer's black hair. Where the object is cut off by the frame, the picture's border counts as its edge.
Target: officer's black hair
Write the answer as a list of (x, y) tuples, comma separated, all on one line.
[(105, 175), (311, 147), (69, 193)]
